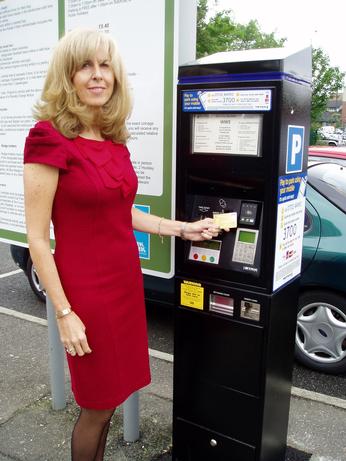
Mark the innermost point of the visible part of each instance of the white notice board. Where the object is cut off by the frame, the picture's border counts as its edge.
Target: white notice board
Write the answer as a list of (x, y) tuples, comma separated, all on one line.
[(231, 134), (24, 58), (139, 29)]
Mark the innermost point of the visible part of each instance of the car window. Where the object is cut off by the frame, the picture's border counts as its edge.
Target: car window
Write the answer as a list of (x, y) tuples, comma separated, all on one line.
[(330, 180)]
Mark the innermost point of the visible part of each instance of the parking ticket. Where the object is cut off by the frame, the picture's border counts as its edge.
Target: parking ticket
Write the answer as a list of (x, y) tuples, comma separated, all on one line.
[(225, 220)]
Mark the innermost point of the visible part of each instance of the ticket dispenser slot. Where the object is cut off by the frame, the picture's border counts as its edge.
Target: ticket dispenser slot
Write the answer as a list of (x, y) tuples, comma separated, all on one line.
[(235, 320), (222, 303)]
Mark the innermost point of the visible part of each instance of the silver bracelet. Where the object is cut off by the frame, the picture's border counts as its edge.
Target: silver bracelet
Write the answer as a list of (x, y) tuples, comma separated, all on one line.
[(159, 230), (182, 230)]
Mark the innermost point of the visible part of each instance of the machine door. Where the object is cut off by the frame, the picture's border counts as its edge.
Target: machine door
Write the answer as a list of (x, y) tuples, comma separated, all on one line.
[(196, 443)]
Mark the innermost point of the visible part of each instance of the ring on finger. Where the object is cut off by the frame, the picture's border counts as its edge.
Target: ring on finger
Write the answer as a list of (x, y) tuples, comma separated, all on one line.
[(71, 350)]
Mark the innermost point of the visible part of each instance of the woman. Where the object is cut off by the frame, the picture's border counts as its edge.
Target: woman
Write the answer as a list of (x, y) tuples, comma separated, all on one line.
[(78, 174)]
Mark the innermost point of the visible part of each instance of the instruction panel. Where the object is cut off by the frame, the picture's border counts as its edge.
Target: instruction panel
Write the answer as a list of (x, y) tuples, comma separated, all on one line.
[(230, 134)]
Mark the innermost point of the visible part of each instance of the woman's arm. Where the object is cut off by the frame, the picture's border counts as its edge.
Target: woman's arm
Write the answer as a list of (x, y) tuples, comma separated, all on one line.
[(204, 229), (40, 183)]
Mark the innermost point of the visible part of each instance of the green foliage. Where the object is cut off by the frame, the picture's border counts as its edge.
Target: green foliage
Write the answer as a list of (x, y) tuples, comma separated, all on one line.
[(222, 33), (326, 82), (202, 11), (202, 35)]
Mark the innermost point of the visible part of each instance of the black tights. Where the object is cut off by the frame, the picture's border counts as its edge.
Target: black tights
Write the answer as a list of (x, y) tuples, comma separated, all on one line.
[(90, 434)]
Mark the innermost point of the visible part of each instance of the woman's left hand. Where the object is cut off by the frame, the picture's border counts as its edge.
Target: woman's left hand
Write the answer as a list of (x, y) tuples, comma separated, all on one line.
[(205, 229)]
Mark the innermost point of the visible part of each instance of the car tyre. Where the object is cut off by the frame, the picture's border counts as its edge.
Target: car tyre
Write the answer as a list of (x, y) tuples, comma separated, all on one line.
[(321, 331), (34, 281)]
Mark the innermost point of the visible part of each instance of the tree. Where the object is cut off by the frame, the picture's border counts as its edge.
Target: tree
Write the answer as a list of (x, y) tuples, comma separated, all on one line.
[(202, 34), (222, 33), (326, 82)]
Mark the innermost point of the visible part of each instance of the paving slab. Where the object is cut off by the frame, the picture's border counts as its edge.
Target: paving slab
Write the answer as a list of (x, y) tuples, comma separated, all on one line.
[(24, 374)]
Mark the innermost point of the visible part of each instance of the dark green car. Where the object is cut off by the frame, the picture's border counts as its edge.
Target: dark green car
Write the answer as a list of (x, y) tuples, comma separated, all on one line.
[(321, 324)]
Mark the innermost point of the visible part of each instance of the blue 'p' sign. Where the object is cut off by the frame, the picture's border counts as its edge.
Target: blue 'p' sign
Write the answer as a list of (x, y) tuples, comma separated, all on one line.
[(295, 149)]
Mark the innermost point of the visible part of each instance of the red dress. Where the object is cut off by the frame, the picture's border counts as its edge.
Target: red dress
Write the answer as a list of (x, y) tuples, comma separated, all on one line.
[(98, 263)]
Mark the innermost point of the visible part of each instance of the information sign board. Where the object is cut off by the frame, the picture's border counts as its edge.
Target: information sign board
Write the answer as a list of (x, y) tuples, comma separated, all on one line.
[(146, 34)]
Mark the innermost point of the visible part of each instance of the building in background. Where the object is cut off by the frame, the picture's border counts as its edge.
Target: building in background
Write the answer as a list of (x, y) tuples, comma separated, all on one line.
[(335, 113), (343, 111)]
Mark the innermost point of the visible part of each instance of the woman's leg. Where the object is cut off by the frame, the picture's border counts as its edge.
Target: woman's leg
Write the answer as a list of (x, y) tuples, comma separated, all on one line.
[(102, 444), (88, 434)]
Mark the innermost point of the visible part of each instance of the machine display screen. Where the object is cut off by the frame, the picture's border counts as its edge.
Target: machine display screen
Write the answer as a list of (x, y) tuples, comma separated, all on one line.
[(227, 134), (208, 244), (247, 237)]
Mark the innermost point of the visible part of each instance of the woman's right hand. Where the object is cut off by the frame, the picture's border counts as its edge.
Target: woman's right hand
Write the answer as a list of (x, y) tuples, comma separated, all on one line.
[(72, 334)]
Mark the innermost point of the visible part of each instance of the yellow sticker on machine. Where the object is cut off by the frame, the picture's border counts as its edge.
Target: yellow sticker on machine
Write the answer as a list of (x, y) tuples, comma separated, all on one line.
[(192, 294)]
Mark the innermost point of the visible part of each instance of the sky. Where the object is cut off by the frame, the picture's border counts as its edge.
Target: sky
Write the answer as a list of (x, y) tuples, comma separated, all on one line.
[(302, 22)]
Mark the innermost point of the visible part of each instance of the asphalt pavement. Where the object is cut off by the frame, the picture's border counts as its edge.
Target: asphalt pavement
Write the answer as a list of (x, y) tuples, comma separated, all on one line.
[(31, 431)]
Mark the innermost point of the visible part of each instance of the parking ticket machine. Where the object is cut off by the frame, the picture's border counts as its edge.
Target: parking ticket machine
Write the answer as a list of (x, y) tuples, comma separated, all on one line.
[(242, 137)]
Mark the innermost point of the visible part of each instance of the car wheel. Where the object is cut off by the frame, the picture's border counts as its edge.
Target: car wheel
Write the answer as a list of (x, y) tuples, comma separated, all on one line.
[(331, 143), (321, 332), (35, 281)]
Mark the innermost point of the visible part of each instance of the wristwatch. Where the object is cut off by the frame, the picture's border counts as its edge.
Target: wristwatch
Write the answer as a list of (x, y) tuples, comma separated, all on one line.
[(63, 312)]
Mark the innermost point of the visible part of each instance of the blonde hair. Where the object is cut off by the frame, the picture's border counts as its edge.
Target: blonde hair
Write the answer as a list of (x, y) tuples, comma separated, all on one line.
[(59, 101)]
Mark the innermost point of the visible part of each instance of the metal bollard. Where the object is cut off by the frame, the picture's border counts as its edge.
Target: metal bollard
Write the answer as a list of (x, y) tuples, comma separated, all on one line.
[(56, 360), (131, 418)]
